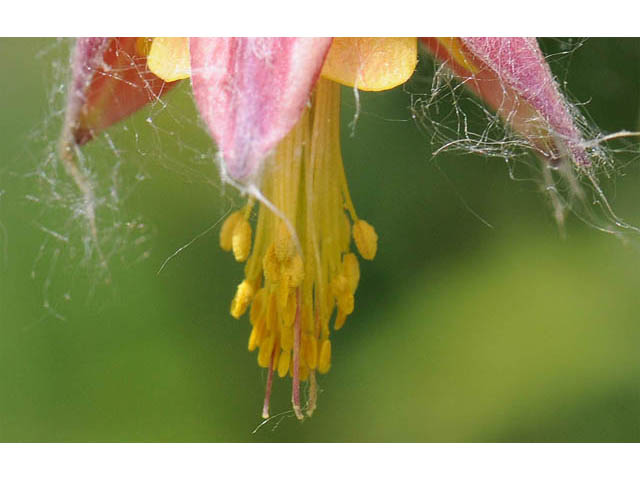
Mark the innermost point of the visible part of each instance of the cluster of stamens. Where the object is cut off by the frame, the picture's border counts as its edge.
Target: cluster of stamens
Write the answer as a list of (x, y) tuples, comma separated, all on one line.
[(299, 270)]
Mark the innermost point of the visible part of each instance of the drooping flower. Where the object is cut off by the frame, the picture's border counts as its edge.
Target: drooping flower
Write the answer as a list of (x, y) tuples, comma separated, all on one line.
[(272, 105)]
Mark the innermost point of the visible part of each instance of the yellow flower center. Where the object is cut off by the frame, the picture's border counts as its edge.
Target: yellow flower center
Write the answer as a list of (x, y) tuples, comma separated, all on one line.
[(300, 272)]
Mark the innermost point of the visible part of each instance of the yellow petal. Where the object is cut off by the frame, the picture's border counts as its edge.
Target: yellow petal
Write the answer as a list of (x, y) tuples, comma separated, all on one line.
[(371, 63), (169, 58)]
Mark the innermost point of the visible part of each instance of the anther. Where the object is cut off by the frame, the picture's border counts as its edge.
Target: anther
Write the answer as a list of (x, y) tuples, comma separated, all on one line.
[(226, 232), (324, 358), (266, 351), (339, 285), (257, 306), (310, 347), (346, 303), (351, 270), (286, 338), (272, 313), (366, 239), (290, 311), (283, 243), (283, 364), (341, 317), (253, 343), (271, 265), (241, 240), (257, 334), (241, 301), (295, 269)]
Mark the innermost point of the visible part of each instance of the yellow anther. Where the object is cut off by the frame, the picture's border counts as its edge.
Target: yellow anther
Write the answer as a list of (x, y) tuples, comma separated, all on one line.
[(266, 349), (261, 329), (351, 270), (324, 358), (286, 338), (257, 306), (366, 239), (271, 265), (272, 313), (241, 301), (345, 303), (253, 342), (284, 243), (257, 334), (339, 285), (290, 311), (226, 232), (283, 363), (295, 270), (310, 350), (341, 317), (283, 292), (304, 373), (241, 240), (306, 317)]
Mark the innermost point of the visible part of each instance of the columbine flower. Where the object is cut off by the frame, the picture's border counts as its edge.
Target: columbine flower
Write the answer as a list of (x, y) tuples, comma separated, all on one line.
[(273, 107)]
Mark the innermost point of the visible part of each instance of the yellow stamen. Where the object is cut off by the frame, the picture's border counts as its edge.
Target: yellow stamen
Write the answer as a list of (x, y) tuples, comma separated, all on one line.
[(241, 301), (266, 349), (286, 339), (341, 317), (283, 244), (295, 271), (258, 306), (324, 359), (310, 348), (226, 232), (366, 239), (351, 270), (283, 364), (241, 240), (302, 268), (253, 339)]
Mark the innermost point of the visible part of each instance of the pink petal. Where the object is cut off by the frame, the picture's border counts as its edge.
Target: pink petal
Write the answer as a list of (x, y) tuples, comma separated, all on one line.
[(110, 81), (514, 78), (251, 92)]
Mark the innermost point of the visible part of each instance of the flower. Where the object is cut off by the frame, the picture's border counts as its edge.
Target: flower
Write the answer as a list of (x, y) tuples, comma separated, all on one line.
[(272, 106)]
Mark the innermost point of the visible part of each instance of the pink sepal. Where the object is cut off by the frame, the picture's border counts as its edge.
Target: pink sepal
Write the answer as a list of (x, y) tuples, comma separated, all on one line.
[(110, 80), (251, 92), (512, 76)]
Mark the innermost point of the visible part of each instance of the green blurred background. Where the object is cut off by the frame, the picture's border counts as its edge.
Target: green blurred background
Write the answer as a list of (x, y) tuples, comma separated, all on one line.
[(462, 332)]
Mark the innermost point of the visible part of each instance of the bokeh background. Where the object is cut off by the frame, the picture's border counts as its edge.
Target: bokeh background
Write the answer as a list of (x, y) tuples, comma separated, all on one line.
[(462, 331)]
